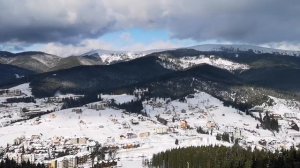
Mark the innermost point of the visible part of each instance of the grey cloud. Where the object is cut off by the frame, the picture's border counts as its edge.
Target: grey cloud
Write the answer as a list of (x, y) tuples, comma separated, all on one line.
[(52, 20), (69, 21), (252, 21)]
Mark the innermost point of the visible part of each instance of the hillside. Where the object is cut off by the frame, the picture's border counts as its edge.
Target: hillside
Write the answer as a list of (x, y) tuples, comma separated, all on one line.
[(9, 73), (34, 61), (87, 79)]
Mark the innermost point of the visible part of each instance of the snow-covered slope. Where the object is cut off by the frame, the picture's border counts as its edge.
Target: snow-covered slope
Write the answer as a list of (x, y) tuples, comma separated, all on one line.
[(188, 62), (234, 48), (35, 61), (111, 127), (109, 57)]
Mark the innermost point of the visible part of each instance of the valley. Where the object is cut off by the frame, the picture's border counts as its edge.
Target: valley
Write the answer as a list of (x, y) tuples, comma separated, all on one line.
[(122, 111)]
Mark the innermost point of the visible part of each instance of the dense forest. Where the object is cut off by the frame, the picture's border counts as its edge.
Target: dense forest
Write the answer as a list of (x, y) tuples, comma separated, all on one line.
[(78, 102), (7, 163), (226, 157), (21, 100), (132, 106)]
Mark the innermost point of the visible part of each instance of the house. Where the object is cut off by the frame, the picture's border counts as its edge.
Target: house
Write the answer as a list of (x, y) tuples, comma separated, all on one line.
[(290, 115), (184, 124), (10, 93), (77, 111), (78, 141), (257, 109), (57, 140), (144, 134), (67, 162), (35, 137), (211, 124), (110, 140), (122, 136), (277, 116), (162, 120), (125, 125), (161, 130), (141, 118), (18, 141), (262, 142), (131, 135), (53, 164), (97, 106), (134, 122)]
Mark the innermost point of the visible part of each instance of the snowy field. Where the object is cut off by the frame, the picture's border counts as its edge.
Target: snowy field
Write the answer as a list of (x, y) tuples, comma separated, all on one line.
[(113, 126)]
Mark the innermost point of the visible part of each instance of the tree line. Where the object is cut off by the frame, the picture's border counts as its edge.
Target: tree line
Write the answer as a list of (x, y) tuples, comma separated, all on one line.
[(226, 157), (71, 102), (21, 100), (10, 163)]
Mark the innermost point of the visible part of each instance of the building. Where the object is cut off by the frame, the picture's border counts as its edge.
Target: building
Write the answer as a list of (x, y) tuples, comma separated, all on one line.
[(257, 109), (53, 164), (277, 116), (134, 122), (77, 111), (10, 93), (144, 134), (161, 130), (162, 120), (131, 135), (290, 115), (184, 124), (211, 124), (78, 141), (97, 106)]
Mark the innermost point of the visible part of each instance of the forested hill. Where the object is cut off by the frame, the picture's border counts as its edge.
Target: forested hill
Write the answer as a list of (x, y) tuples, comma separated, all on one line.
[(226, 157)]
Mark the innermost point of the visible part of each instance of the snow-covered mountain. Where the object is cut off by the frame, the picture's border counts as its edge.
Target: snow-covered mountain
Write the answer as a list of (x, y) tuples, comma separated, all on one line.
[(43, 62), (236, 48), (188, 62), (34, 61), (109, 57)]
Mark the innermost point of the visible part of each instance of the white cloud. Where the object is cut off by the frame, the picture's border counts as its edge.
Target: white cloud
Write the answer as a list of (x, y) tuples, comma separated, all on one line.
[(65, 50), (283, 46), (71, 21)]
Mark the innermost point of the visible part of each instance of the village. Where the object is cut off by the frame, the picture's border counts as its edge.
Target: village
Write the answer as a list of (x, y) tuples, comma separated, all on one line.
[(69, 137)]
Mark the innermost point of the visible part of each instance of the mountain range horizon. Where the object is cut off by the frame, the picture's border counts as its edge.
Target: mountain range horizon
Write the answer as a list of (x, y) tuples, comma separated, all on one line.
[(200, 47)]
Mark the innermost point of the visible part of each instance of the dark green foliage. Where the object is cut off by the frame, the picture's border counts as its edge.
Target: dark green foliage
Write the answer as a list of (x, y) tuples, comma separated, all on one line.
[(225, 157), (21, 99), (93, 79), (132, 106), (8, 73), (78, 102), (225, 137), (270, 123), (7, 163), (201, 131)]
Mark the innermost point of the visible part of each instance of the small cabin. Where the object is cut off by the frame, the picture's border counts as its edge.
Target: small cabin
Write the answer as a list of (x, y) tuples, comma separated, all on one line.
[(77, 111)]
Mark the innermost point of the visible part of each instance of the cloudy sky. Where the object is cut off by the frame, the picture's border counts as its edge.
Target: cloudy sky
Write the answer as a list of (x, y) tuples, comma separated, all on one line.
[(67, 27)]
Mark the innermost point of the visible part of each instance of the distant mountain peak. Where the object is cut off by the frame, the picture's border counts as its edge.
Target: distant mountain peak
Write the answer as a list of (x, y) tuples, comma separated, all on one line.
[(241, 47)]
